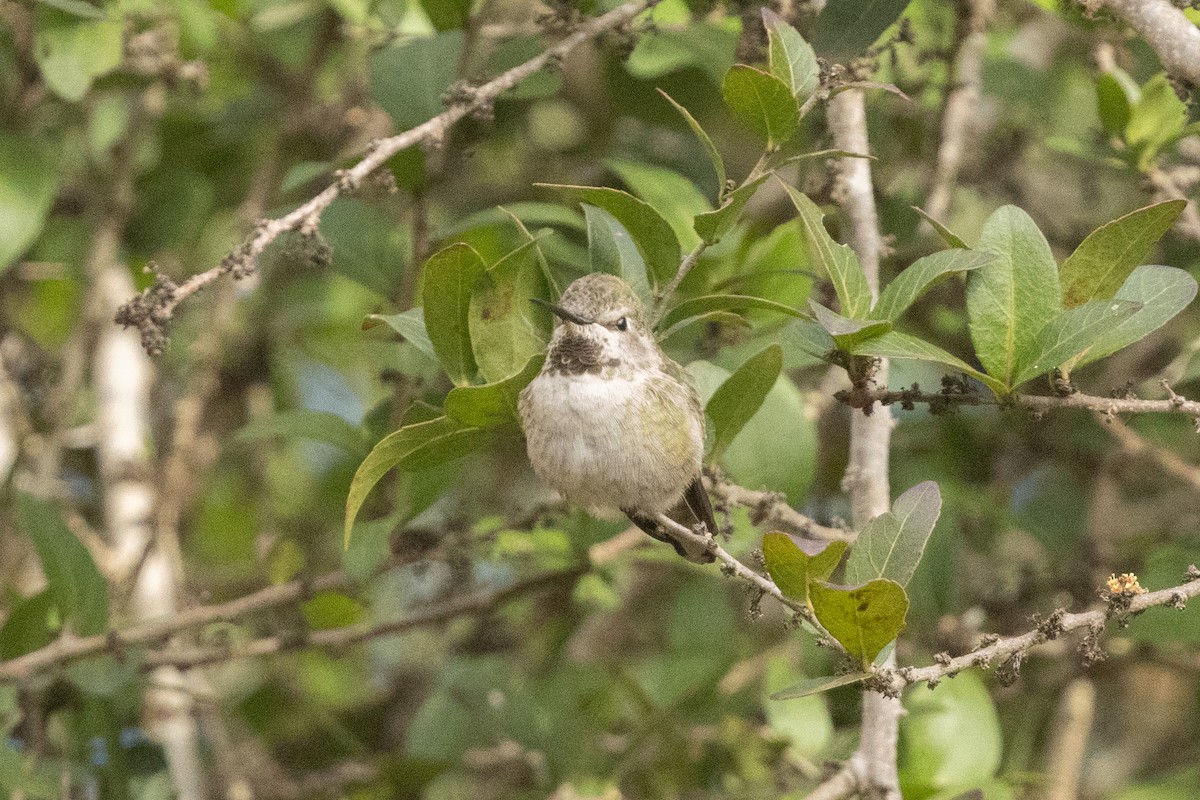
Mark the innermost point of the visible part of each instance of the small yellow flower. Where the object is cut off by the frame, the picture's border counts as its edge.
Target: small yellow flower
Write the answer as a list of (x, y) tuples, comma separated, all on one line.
[(1125, 584)]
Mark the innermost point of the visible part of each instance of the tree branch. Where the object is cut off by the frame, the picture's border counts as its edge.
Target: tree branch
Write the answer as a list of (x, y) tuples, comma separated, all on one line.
[(1165, 28), (954, 395), (866, 478), (151, 310), (771, 510), (1121, 606)]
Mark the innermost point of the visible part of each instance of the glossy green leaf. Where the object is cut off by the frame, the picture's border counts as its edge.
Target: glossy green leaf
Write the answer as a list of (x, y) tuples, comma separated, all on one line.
[(672, 195), (1116, 95), (923, 274), (848, 333), (948, 236), (762, 103), (894, 344), (712, 226), (611, 249), (413, 447), (863, 619), (714, 156), (652, 235), (28, 181), (949, 737), (837, 261), (1102, 262), (409, 324), (72, 52), (1072, 333), (492, 404), (792, 569), (791, 58), (725, 302), (450, 277), (303, 423), (507, 329), (80, 591), (1162, 292), (740, 397), (846, 28), (1010, 299), (408, 79), (891, 544), (817, 685)]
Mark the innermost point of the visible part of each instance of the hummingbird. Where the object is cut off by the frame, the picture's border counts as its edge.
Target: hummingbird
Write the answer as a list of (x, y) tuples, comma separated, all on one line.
[(611, 421)]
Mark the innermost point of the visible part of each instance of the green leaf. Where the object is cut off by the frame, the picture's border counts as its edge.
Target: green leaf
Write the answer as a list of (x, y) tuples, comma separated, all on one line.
[(837, 261), (611, 249), (1102, 262), (493, 403), (28, 181), (805, 723), (809, 337), (848, 333), (447, 14), (707, 47), (1116, 95), (948, 236), (1162, 291), (712, 226), (718, 163), (1009, 300), (923, 274), (450, 277), (792, 569), (864, 619), (741, 395), (408, 80), (891, 544), (367, 247), (1072, 333), (950, 737), (1157, 120), (791, 58), (72, 52), (725, 302), (303, 423), (762, 103), (652, 235), (670, 194), (413, 447), (33, 623), (530, 213), (409, 324), (817, 685), (894, 344), (80, 591), (77, 8), (719, 317), (846, 28), (506, 328)]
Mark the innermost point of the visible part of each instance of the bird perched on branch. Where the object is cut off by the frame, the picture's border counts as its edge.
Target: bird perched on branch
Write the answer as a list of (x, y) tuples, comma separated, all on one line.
[(611, 421)]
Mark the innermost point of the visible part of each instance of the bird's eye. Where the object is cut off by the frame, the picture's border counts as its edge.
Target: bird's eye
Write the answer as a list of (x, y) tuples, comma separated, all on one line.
[(622, 324)]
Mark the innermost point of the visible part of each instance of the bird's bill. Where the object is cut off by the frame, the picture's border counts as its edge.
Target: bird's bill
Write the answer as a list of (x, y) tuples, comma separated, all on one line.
[(562, 313)]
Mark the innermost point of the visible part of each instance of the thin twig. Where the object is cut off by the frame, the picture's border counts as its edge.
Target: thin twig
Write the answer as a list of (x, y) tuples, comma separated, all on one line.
[(1175, 404), (685, 266), (1120, 607), (1134, 443), (305, 219), (771, 510)]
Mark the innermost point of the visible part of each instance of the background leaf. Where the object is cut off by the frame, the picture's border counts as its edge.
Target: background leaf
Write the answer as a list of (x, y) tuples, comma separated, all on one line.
[(714, 156), (923, 274), (837, 261), (740, 396), (409, 324), (28, 181), (846, 28), (408, 79)]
